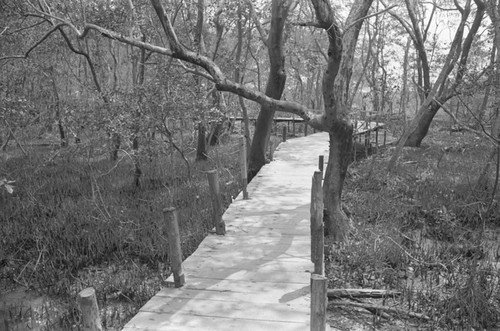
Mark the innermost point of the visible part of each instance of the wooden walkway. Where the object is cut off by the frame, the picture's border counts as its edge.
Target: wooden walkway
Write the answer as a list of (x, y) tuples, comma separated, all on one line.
[(257, 276)]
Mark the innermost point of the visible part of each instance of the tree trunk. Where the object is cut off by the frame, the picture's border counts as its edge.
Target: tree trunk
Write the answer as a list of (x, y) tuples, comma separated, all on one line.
[(441, 92), (404, 91), (422, 128), (201, 149), (260, 140), (274, 88), (336, 82), (238, 77), (337, 224), (115, 145)]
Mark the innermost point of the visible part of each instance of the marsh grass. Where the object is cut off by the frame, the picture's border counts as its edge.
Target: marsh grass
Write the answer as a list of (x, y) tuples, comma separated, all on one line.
[(425, 230), (76, 219)]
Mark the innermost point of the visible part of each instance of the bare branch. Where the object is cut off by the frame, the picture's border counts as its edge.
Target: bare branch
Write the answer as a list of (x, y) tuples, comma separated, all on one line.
[(368, 16), (23, 28), (321, 49), (380, 308), (177, 51), (194, 71), (38, 43), (482, 133), (263, 35), (314, 24), (426, 30)]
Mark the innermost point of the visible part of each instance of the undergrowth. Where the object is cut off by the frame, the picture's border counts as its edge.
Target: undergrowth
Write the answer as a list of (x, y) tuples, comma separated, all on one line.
[(425, 230), (76, 219)]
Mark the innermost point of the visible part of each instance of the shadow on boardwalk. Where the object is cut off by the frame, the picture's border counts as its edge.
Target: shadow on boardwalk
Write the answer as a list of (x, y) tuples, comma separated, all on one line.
[(257, 276)]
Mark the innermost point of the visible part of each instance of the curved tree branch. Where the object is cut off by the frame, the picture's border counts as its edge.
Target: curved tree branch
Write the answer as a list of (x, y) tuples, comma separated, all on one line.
[(214, 73)]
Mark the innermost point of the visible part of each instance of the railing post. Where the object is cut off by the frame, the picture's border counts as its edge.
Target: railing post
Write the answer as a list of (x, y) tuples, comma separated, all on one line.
[(284, 133), (87, 302), (271, 150), (293, 126), (174, 245), (367, 137), (318, 302), (243, 165), (317, 226), (321, 163), (305, 129), (213, 183)]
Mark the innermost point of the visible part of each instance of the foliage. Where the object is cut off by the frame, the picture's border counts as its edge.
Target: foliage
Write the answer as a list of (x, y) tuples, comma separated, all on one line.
[(76, 221), (425, 231)]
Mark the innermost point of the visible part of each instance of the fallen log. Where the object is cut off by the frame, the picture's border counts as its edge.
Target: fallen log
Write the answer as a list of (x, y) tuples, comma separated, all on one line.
[(369, 306), (360, 293)]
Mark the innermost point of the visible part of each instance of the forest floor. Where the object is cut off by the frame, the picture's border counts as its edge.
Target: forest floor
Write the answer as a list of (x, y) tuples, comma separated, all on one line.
[(77, 219), (426, 230)]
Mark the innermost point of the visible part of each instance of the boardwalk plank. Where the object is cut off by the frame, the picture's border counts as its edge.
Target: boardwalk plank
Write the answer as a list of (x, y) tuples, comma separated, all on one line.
[(257, 276), (182, 322), (231, 290), (229, 309)]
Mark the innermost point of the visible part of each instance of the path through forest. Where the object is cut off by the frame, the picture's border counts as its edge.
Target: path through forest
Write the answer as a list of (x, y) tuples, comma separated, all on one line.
[(257, 276)]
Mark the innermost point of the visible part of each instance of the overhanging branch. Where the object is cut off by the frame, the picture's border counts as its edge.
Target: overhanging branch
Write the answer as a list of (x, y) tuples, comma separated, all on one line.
[(38, 43), (177, 51)]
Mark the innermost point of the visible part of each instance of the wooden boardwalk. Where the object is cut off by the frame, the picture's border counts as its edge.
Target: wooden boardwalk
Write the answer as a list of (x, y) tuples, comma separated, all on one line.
[(257, 276)]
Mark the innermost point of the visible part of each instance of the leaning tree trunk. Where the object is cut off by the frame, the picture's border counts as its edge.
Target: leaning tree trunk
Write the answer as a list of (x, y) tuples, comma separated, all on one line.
[(440, 92), (422, 128), (274, 88)]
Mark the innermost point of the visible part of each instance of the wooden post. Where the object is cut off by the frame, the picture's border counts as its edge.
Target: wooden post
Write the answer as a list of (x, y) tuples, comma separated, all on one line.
[(213, 182), (355, 148), (367, 135), (317, 226), (243, 165), (87, 302), (271, 150), (293, 126), (174, 245), (284, 133), (305, 129), (385, 136), (321, 163), (318, 302)]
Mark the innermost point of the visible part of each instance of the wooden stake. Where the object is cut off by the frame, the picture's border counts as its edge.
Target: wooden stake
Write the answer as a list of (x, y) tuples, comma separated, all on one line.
[(271, 150), (318, 302), (317, 226), (243, 165), (87, 302), (321, 163), (213, 183), (174, 245)]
